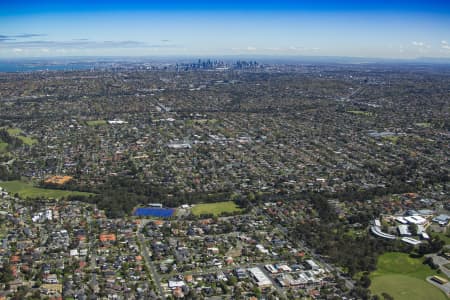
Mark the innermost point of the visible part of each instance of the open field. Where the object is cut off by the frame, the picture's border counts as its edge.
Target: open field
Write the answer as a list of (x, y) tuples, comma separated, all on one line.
[(17, 132), (360, 112), (423, 124), (27, 140), (392, 139), (3, 231), (27, 190), (215, 208), (403, 277), (14, 131), (3, 147), (442, 235), (96, 122)]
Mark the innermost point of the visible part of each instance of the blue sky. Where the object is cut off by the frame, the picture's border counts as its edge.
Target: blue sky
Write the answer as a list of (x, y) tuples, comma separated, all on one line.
[(390, 29)]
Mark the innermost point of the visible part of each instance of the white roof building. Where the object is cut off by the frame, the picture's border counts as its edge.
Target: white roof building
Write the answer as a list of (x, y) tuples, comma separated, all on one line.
[(401, 220), (173, 284), (262, 249), (312, 264), (424, 236), (418, 220), (377, 231), (261, 279), (411, 241), (403, 230)]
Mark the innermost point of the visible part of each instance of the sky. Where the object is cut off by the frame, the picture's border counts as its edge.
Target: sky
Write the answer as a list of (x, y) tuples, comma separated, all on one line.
[(364, 28)]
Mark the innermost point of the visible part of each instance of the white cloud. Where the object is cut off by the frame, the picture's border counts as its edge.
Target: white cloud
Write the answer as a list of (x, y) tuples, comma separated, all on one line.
[(421, 45), (273, 49), (445, 45), (17, 50), (291, 49), (79, 44)]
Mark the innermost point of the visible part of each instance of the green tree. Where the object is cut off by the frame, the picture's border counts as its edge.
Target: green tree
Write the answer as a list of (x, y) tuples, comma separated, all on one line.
[(6, 274)]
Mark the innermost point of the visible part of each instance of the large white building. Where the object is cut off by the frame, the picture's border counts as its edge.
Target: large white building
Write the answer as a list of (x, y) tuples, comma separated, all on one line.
[(403, 230), (260, 278)]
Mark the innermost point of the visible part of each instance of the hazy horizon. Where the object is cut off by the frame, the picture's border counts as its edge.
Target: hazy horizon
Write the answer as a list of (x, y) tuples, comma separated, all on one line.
[(398, 30)]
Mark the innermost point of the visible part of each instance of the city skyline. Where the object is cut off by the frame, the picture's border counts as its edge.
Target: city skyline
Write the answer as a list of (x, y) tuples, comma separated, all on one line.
[(402, 29)]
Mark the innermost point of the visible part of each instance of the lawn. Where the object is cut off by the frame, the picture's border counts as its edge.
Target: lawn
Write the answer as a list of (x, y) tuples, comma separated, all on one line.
[(404, 277), (360, 112), (14, 131), (215, 208), (27, 140), (3, 147), (18, 133), (96, 122), (392, 138), (442, 235), (423, 124), (3, 231), (27, 190)]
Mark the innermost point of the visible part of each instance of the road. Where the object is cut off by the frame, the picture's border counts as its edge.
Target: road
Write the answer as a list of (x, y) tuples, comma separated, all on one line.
[(353, 93), (441, 262), (93, 258), (444, 287), (149, 262)]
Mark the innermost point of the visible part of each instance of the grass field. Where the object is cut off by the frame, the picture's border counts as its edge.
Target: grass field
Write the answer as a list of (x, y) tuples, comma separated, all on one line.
[(3, 230), (360, 112), (17, 132), (215, 208), (3, 147), (442, 235), (14, 131), (96, 122), (27, 190), (404, 278), (392, 138), (423, 124), (27, 140)]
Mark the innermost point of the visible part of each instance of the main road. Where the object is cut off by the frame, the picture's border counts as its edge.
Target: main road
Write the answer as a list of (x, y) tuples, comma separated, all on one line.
[(148, 261)]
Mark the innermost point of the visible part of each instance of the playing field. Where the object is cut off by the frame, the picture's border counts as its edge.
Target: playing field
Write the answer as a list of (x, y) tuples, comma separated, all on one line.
[(3, 147), (423, 124), (403, 277), (27, 190), (96, 122), (154, 212), (215, 208), (360, 112)]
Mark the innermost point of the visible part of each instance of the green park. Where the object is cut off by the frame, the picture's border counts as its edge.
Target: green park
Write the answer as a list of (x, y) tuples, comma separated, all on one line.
[(404, 278), (28, 190), (216, 208)]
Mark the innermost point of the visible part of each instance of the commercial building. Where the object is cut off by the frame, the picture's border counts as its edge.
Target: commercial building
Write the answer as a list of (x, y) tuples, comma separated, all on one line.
[(260, 278)]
